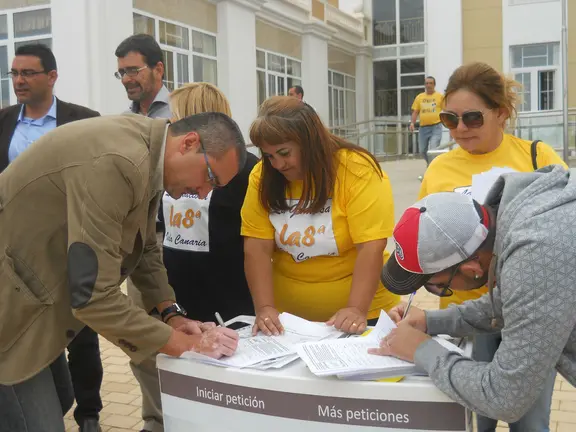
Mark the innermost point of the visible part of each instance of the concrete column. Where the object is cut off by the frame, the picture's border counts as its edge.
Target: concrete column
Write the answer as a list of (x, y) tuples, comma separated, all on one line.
[(364, 84), (85, 35), (315, 67), (236, 46)]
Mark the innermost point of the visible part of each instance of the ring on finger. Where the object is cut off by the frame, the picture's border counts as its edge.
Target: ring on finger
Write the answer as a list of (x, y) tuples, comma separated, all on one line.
[(354, 324)]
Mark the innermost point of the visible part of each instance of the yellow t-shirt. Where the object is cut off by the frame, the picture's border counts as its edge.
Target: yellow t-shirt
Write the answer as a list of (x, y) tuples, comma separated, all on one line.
[(453, 171), (429, 107), (315, 254)]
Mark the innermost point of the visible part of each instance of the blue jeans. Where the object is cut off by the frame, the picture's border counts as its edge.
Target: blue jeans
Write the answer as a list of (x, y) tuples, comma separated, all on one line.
[(428, 139), (37, 404), (537, 419)]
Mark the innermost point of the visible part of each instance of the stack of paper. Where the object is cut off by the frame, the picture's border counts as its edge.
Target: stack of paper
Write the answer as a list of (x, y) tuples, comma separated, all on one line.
[(265, 352), (349, 358), (483, 182)]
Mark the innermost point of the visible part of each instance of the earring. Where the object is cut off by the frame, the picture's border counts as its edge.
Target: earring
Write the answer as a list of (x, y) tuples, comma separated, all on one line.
[(476, 277)]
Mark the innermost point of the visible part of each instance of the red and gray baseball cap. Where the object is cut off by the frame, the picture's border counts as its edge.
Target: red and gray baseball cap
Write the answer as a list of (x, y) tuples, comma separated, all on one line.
[(434, 234)]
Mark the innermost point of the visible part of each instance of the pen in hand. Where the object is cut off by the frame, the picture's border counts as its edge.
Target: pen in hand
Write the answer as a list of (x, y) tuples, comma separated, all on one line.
[(408, 305), (220, 320)]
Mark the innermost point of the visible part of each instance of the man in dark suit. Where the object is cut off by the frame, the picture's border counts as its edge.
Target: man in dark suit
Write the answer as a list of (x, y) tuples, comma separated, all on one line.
[(34, 74)]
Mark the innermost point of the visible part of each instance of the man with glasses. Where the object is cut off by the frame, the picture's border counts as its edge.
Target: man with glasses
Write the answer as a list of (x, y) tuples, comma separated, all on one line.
[(522, 245), (81, 215), (34, 74), (141, 70)]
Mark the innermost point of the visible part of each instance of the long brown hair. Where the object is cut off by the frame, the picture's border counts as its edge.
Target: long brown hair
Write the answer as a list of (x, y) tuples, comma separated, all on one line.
[(285, 119), (496, 90)]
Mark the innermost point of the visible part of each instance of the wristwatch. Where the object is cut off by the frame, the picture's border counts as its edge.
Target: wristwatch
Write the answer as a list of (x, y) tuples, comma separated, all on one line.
[(173, 310)]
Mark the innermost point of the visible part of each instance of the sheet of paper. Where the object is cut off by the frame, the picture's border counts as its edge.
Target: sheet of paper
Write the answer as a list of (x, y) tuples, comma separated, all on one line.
[(345, 355), (483, 182), (264, 352)]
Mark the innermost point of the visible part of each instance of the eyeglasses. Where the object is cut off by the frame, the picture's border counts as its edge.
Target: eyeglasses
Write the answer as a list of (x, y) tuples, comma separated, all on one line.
[(26, 73), (211, 177), (472, 119), (443, 290), (130, 71)]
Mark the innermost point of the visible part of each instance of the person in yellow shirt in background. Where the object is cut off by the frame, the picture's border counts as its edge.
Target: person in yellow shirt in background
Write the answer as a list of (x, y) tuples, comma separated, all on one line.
[(428, 106), (316, 219), (479, 102)]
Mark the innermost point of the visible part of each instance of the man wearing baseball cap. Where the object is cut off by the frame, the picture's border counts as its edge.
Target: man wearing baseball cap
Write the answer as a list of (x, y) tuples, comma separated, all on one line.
[(522, 244)]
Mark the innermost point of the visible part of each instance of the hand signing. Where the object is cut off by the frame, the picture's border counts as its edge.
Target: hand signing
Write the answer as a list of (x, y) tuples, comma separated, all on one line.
[(217, 342), (402, 342)]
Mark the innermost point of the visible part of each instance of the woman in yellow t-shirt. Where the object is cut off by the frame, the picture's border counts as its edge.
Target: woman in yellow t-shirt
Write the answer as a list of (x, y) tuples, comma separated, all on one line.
[(316, 218), (479, 101)]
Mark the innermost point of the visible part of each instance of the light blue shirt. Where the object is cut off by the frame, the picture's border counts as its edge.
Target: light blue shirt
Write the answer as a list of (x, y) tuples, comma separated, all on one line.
[(29, 130)]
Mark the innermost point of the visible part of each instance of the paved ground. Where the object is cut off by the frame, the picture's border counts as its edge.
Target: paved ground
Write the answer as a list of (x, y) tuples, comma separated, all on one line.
[(121, 393)]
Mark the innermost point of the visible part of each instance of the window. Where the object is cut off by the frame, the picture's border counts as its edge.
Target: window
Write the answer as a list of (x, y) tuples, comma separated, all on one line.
[(404, 77), (341, 98), (276, 74), (189, 54), (17, 28), (398, 21), (536, 67)]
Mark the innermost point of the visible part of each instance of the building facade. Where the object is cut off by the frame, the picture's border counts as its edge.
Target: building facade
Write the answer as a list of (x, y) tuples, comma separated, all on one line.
[(522, 38), (251, 49), (356, 59)]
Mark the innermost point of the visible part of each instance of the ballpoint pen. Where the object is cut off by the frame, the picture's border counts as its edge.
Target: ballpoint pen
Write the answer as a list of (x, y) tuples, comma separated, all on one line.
[(220, 320), (408, 305)]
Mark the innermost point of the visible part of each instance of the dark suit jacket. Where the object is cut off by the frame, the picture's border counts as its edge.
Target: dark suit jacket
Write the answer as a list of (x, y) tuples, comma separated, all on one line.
[(65, 113)]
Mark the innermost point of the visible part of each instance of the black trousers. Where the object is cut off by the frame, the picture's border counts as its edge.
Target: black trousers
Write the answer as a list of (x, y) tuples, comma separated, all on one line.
[(86, 371)]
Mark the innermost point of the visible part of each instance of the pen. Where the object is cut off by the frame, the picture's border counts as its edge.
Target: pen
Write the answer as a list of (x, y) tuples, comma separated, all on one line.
[(409, 304), (220, 320)]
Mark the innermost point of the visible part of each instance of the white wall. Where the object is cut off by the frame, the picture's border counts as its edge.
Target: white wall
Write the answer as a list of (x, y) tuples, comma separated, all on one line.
[(443, 39), (528, 24), (85, 35), (236, 43)]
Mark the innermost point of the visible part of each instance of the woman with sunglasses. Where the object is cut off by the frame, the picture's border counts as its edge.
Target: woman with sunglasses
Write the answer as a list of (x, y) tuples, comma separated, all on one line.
[(316, 219), (479, 102)]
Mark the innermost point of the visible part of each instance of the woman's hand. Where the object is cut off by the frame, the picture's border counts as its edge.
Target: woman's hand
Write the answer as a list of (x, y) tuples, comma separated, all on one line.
[(267, 322), (349, 320)]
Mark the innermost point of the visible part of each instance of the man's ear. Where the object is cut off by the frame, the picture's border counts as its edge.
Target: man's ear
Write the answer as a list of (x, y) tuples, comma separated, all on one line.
[(471, 268), (52, 77), (190, 143)]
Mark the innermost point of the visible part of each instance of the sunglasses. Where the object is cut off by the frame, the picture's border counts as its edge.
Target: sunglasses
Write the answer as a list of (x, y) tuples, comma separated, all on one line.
[(471, 119)]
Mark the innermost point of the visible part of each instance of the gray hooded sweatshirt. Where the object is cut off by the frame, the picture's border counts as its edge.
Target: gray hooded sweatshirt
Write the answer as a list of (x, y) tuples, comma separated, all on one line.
[(534, 301)]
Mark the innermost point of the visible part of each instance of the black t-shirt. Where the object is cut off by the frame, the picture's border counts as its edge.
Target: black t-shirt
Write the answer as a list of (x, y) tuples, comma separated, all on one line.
[(203, 250)]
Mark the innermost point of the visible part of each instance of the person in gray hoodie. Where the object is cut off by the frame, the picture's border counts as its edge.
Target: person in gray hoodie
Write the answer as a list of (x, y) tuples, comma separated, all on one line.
[(522, 244)]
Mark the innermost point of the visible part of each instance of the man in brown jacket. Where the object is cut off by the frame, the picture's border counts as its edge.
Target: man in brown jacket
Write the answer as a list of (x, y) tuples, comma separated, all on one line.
[(81, 204)]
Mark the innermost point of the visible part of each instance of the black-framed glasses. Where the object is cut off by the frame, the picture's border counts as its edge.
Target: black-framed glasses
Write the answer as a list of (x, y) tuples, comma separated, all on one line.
[(130, 71), (212, 178), (471, 119), (443, 290), (26, 73)]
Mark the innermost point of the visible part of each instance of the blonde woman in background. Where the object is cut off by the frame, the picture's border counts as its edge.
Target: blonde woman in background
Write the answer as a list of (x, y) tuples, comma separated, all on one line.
[(203, 251)]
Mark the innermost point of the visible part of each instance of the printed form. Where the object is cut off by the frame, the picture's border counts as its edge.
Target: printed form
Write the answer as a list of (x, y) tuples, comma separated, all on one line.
[(263, 352), (349, 357)]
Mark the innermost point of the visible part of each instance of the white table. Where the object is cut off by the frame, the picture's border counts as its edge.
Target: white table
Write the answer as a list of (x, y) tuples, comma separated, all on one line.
[(205, 398)]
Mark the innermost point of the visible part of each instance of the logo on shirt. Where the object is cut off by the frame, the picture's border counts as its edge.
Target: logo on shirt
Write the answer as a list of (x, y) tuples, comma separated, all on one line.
[(305, 235), (464, 190)]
